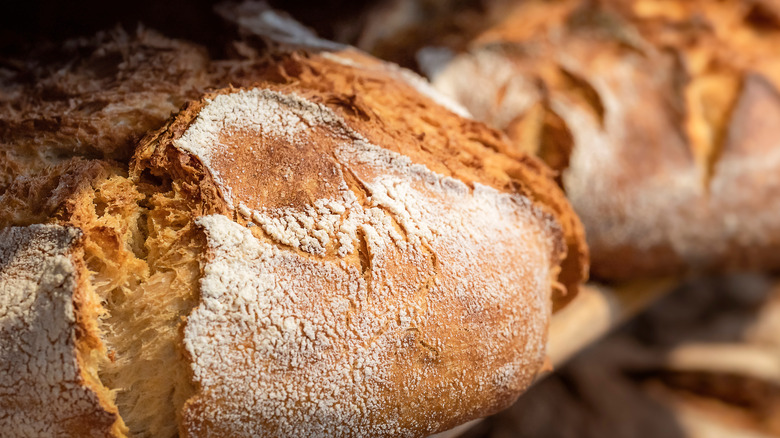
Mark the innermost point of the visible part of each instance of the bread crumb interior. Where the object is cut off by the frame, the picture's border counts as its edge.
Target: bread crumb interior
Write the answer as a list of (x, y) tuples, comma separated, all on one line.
[(143, 253)]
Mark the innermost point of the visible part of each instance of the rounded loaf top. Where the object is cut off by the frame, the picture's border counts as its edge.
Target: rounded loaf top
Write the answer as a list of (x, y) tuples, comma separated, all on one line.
[(367, 246)]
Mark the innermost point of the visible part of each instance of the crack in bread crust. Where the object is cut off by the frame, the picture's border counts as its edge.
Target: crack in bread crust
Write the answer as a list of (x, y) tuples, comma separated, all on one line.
[(145, 261)]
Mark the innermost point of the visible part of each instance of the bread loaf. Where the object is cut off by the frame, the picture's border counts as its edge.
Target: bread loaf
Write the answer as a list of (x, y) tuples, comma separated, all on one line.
[(659, 117), (329, 250)]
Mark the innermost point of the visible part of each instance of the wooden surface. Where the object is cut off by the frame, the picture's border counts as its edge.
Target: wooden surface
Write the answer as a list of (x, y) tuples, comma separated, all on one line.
[(597, 310)]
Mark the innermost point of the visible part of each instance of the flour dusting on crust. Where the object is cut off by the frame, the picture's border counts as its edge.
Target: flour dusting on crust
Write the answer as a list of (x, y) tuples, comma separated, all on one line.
[(355, 312), (493, 74), (42, 391)]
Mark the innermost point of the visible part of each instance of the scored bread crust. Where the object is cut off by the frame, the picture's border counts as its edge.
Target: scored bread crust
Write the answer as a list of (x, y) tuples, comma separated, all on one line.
[(658, 116), (367, 247), (48, 381)]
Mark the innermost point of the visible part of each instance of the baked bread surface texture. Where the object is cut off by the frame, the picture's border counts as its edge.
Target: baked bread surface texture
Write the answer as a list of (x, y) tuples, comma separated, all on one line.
[(48, 384), (328, 250), (92, 98), (358, 266), (397, 109), (659, 117), (70, 118)]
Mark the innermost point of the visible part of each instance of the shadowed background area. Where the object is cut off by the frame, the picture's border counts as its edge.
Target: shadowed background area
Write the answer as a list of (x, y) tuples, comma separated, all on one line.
[(34, 22)]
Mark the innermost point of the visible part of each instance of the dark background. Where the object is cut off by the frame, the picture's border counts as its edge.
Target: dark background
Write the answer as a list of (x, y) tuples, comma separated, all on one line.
[(24, 24)]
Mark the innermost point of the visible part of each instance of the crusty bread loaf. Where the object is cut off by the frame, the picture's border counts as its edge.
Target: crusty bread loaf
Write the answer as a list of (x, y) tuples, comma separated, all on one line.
[(330, 250), (659, 115), (388, 236), (48, 380)]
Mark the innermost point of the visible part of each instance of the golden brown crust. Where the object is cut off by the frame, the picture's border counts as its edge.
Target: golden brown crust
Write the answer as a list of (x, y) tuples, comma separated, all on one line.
[(648, 101), (386, 103), (339, 170)]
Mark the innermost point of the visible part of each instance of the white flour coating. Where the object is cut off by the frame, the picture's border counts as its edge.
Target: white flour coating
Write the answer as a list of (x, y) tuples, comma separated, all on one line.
[(287, 345), (41, 391), (410, 78), (271, 114), (329, 222)]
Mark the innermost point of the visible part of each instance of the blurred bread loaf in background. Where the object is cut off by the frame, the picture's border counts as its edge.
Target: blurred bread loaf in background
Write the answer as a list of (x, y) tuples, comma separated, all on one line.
[(659, 117)]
